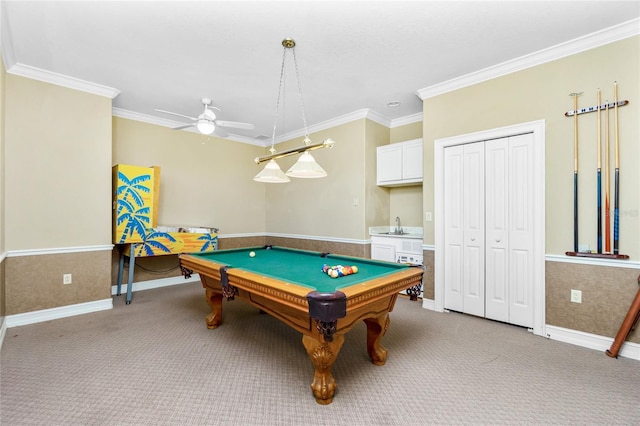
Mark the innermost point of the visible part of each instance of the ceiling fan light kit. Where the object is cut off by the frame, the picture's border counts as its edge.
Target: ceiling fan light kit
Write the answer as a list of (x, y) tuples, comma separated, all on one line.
[(205, 126), (306, 166), (206, 123)]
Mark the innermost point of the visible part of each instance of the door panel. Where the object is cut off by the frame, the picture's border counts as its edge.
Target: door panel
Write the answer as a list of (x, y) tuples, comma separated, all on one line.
[(453, 230), (521, 230), (474, 226), (497, 247)]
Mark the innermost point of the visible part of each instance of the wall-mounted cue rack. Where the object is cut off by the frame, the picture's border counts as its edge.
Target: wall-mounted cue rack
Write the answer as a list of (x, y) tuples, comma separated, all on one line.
[(600, 253), (610, 105)]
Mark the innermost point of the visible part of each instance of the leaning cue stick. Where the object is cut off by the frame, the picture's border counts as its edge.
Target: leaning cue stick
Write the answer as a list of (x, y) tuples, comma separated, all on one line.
[(607, 221), (575, 172), (616, 224), (599, 179)]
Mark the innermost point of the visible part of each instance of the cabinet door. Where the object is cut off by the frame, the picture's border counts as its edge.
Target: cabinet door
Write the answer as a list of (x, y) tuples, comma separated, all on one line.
[(383, 252), (389, 163), (412, 160)]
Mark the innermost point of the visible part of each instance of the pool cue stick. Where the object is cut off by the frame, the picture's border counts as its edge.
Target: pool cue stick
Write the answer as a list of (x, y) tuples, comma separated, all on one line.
[(607, 221), (599, 178), (575, 172), (616, 191)]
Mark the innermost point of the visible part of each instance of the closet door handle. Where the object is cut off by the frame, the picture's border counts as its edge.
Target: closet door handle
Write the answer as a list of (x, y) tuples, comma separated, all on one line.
[(497, 240), (473, 238)]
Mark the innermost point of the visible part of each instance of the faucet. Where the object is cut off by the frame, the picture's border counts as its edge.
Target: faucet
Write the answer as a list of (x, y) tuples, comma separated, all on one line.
[(398, 227)]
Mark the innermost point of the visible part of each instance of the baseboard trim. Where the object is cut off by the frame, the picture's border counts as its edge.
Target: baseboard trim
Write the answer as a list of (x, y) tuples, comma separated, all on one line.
[(56, 313), (592, 341), (429, 304), (151, 284), (3, 330), (84, 308)]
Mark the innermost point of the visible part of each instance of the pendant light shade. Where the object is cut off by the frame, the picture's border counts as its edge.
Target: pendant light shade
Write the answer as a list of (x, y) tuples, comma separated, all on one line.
[(306, 167), (272, 174)]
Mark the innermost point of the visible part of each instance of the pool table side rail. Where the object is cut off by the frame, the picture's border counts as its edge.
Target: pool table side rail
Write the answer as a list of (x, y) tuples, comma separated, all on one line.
[(272, 288), (294, 294)]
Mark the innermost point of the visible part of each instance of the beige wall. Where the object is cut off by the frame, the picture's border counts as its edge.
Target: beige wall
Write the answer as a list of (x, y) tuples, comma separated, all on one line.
[(57, 142), (323, 207), (406, 132), (57, 192), (378, 199), (204, 181), (541, 93)]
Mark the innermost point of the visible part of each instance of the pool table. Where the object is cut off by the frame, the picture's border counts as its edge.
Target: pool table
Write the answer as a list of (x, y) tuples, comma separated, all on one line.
[(291, 286)]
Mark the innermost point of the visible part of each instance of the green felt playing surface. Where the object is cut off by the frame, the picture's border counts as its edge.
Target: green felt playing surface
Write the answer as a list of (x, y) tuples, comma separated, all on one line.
[(301, 267)]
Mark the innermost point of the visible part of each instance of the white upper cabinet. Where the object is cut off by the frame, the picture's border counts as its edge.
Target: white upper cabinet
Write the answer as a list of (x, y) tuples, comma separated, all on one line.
[(400, 163)]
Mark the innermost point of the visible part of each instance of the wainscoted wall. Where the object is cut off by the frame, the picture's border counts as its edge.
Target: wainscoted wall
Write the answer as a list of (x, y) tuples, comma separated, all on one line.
[(158, 267), (428, 280), (336, 247), (602, 309), (3, 312), (36, 280)]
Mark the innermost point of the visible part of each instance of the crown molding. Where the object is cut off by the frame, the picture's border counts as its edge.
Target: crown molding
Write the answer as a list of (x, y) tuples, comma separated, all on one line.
[(581, 44), (150, 119), (343, 119), (62, 80), (146, 118), (337, 121), (6, 42), (409, 119)]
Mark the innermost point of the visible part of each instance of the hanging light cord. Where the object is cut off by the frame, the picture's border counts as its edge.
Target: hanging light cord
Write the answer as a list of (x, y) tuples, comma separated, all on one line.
[(307, 141), (272, 150), (308, 146)]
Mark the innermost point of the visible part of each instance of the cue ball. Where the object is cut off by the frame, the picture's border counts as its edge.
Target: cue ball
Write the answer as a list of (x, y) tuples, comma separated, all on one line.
[(252, 254)]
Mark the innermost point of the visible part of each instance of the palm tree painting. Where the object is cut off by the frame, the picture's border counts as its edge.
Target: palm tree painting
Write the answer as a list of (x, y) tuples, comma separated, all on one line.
[(154, 245), (210, 242), (133, 211)]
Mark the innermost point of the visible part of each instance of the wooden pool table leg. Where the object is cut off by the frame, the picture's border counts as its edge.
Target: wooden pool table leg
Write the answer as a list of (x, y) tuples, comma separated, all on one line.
[(322, 355), (376, 328), (214, 300)]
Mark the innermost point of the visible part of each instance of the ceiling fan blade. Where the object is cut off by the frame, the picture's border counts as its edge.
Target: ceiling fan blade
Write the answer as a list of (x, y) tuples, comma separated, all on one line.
[(175, 113), (184, 127), (235, 124), (220, 132)]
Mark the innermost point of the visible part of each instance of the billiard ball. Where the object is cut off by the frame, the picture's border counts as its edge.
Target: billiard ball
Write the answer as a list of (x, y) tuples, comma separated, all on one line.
[(252, 254)]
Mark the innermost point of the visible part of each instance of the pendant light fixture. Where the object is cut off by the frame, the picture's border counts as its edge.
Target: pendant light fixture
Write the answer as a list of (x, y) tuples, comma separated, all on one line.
[(306, 166)]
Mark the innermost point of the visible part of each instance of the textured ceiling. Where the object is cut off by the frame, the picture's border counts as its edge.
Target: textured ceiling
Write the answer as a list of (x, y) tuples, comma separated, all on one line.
[(352, 55)]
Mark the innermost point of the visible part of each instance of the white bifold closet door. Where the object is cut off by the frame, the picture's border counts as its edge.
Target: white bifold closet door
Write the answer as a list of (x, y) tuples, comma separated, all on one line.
[(488, 196)]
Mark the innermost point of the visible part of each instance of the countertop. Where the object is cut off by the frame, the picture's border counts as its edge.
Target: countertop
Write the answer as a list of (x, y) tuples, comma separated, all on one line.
[(388, 231)]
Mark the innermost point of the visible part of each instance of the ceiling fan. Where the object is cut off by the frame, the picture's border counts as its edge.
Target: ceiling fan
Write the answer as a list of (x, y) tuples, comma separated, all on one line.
[(206, 122)]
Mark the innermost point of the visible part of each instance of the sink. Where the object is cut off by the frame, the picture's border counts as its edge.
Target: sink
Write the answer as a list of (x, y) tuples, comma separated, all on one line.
[(393, 233)]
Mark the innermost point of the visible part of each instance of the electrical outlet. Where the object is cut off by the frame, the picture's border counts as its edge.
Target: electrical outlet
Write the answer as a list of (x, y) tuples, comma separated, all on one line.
[(66, 279), (576, 296), (428, 217)]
